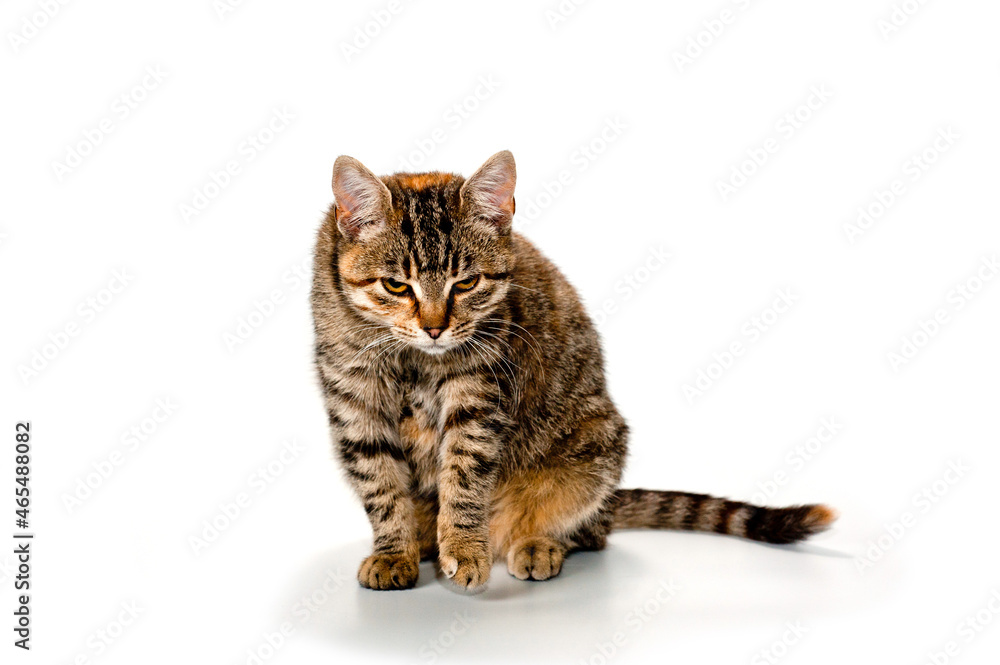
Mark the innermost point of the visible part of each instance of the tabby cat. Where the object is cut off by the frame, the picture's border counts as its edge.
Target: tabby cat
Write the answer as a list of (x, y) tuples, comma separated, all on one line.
[(465, 389)]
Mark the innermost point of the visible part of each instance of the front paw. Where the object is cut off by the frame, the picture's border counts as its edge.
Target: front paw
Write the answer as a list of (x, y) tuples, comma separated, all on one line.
[(466, 563), (388, 571)]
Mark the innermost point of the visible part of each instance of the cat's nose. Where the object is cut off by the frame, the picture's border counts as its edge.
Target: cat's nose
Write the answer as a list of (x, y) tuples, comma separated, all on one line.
[(434, 332)]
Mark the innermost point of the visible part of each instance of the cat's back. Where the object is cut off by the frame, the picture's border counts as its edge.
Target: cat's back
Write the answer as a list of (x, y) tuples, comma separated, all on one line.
[(544, 298), (558, 346)]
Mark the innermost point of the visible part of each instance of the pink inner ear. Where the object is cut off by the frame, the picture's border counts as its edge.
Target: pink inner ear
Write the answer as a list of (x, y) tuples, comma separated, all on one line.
[(503, 197), (360, 197), (491, 188), (350, 192), (348, 206)]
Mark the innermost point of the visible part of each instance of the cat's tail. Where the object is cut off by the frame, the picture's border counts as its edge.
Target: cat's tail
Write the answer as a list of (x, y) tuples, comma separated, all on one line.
[(655, 509)]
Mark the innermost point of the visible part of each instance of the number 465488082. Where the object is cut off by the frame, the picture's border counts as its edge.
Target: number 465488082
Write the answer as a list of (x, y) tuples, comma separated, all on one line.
[(22, 471)]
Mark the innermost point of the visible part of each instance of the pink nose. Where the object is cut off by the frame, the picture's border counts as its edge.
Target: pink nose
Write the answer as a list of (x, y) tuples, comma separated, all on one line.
[(434, 332)]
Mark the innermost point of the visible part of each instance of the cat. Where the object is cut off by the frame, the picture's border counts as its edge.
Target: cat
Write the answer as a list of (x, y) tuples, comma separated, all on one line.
[(465, 389)]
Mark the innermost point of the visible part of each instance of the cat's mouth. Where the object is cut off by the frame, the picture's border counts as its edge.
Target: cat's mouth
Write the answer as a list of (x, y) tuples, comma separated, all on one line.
[(439, 346), (450, 339), (434, 347)]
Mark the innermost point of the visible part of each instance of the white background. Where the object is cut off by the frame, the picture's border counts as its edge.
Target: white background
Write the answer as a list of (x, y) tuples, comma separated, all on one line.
[(553, 88)]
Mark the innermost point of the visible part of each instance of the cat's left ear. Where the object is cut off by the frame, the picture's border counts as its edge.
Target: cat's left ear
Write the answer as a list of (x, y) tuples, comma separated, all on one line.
[(363, 201), (489, 192)]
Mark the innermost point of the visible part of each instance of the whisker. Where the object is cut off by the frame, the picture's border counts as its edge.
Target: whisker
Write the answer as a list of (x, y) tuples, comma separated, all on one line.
[(390, 348), (527, 288), (495, 378), (493, 353), (508, 372), (362, 327), (376, 342), (533, 343), (494, 336), (506, 359)]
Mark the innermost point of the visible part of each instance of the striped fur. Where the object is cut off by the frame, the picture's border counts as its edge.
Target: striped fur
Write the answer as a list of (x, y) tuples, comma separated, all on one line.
[(473, 422), (656, 509)]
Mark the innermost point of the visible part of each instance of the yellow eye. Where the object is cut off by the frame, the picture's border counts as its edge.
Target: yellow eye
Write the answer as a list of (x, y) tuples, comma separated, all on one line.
[(392, 286), (467, 285)]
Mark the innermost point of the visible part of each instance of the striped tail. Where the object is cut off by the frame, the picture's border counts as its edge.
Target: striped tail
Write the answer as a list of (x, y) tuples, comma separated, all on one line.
[(656, 509)]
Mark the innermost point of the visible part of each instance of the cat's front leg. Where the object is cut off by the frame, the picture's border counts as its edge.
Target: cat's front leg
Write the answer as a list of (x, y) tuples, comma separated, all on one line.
[(473, 433), (380, 476), (371, 454)]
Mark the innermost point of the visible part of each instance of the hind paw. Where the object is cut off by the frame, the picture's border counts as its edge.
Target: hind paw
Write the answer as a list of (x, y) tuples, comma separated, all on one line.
[(537, 558)]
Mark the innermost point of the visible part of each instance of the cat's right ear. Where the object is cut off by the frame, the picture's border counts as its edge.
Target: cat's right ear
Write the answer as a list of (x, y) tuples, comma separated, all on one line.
[(363, 201), (488, 194)]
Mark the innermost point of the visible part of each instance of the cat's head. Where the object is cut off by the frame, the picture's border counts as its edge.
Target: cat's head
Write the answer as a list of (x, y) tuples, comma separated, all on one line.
[(428, 256)]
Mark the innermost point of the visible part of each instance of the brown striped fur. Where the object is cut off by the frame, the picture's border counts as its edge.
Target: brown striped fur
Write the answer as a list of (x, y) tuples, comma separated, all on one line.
[(475, 423)]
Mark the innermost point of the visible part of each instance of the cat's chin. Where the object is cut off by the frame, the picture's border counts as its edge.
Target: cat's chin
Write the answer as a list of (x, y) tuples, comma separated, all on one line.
[(434, 350)]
